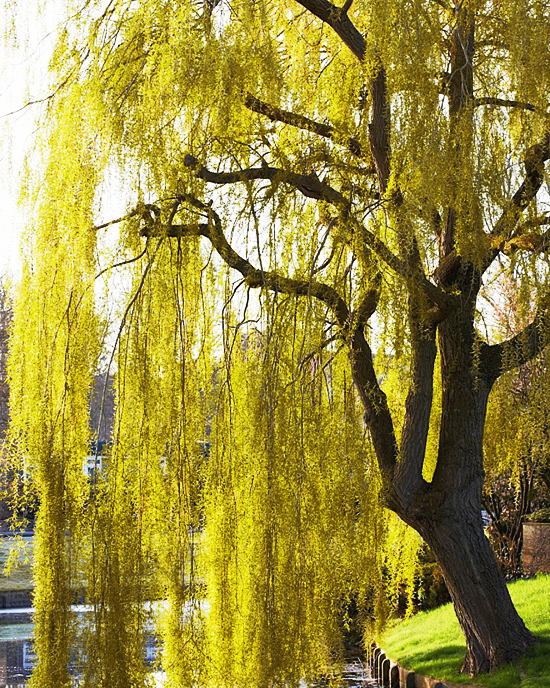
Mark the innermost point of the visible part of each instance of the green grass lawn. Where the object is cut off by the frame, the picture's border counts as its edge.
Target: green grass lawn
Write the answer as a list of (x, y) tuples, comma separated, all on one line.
[(431, 643)]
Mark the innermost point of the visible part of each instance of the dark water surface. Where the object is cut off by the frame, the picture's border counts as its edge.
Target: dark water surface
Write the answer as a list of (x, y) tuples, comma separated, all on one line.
[(17, 656), (16, 652)]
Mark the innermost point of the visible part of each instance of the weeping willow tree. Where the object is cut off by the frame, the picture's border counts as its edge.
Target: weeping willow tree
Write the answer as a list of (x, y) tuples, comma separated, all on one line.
[(313, 198)]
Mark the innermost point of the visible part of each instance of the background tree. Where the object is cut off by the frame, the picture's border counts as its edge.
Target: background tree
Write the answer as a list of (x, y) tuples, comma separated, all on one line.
[(346, 162), (516, 437)]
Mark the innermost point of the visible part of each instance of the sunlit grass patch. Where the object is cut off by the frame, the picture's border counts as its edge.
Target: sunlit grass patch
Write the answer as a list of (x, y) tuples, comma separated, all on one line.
[(431, 642)]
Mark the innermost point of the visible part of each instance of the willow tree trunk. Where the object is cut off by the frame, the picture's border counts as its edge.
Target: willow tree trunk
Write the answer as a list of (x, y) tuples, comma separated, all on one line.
[(448, 515), (494, 631), (446, 512)]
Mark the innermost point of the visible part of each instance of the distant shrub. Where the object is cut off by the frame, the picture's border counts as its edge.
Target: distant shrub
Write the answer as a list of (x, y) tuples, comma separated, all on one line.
[(540, 516)]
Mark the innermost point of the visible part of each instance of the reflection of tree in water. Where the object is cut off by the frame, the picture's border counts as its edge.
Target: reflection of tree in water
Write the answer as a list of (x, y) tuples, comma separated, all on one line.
[(16, 662), (18, 657)]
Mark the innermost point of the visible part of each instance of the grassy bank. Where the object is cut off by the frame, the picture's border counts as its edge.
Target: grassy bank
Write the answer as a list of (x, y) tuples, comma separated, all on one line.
[(431, 642)]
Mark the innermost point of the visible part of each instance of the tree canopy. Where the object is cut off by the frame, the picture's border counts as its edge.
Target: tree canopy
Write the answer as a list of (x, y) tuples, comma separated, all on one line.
[(304, 202)]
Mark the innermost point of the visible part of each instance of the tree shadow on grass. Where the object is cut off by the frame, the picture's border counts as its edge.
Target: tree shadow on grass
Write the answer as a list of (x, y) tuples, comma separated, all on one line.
[(446, 661), (535, 666)]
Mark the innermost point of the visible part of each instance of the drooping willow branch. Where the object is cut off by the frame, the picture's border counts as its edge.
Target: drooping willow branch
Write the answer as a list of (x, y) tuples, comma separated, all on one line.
[(350, 324), (318, 190), (253, 277)]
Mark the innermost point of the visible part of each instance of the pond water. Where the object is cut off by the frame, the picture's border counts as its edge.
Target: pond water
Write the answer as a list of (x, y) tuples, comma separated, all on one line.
[(16, 653), (17, 656)]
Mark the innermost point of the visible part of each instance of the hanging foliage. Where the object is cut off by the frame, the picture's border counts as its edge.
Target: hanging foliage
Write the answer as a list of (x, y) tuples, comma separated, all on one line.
[(307, 201)]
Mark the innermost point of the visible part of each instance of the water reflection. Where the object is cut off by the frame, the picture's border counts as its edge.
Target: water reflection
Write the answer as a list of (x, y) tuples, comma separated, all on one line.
[(16, 650), (16, 647), (17, 656)]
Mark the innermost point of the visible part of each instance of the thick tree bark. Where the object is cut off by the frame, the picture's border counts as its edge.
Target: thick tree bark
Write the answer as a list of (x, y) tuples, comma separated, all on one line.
[(448, 515), (447, 511), (494, 632)]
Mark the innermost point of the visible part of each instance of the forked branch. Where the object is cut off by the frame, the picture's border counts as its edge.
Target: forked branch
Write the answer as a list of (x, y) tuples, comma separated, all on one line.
[(338, 20), (253, 277), (418, 407)]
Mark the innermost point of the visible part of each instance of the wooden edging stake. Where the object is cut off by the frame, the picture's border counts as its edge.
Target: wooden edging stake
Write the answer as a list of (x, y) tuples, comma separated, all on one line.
[(390, 674)]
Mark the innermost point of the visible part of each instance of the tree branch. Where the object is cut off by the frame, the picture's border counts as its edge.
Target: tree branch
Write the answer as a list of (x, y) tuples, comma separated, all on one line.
[(418, 406), (443, 301), (503, 102), (368, 305), (500, 45), (314, 188), (523, 347), (459, 90), (536, 243), (308, 185), (534, 161), (253, 277), (115, 222), (379, 129), (338, 20), (276, 114), (377, 414)]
